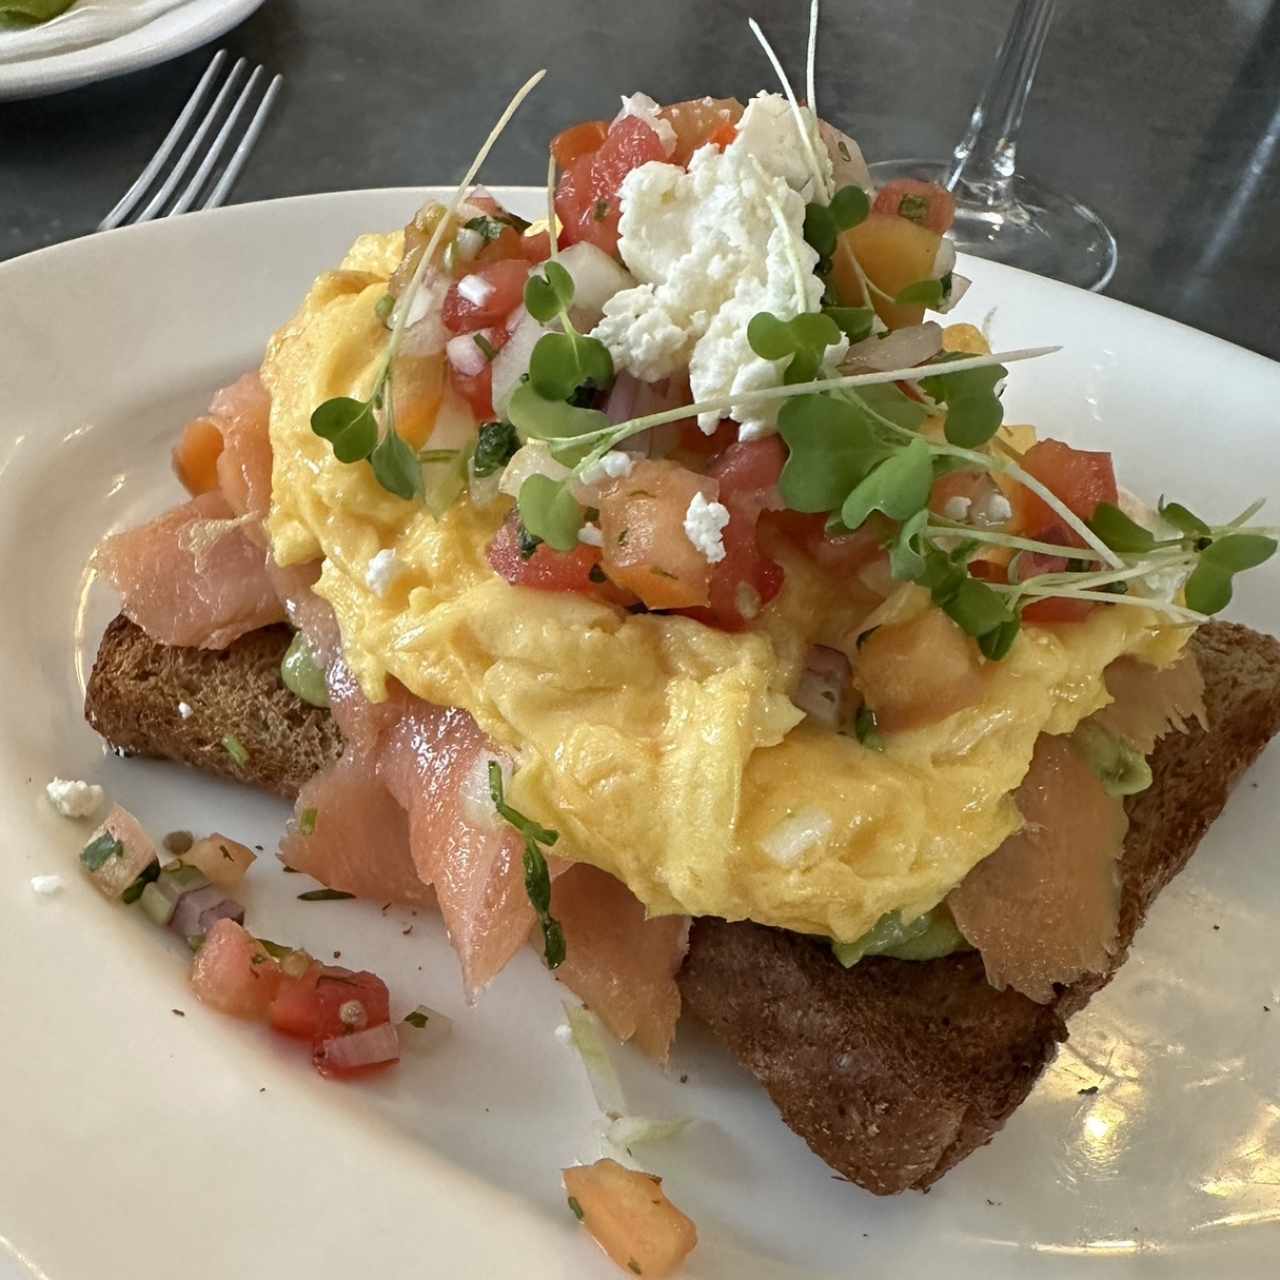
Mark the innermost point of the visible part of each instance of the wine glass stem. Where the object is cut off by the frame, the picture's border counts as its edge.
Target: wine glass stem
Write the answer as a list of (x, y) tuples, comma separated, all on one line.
[(985, 159)]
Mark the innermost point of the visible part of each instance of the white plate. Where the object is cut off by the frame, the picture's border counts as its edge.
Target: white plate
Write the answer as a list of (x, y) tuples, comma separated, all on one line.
[(139, 1143), (166, 36)]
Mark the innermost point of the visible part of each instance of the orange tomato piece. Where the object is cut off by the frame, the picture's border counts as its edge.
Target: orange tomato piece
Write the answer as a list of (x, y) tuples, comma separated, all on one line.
[(646, 549), (630, 1217), (699, 121), (1079, 477), (894, 253), (925, 203), (195, 456), (578, 140), (918, 672)]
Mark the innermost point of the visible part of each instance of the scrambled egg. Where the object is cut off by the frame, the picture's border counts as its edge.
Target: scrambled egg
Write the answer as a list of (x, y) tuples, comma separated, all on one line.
[(664, 751)]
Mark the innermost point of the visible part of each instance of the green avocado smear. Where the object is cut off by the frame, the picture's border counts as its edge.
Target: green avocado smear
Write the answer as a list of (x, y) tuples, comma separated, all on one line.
[(927, 937), (302, 674)]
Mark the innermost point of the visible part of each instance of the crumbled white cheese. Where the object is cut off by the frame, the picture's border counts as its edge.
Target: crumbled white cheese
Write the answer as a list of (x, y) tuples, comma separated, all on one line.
[(612, 466), (704, 525), (710, 248), (74, 799), (384, 571), (185, 710), (564, 1033), (644, 108), (590, 535), (994, 509), (46, 886), (475, 290), (957, 508)]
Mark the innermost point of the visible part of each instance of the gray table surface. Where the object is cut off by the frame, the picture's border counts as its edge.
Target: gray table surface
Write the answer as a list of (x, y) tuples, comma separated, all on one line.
[(1163, 116)]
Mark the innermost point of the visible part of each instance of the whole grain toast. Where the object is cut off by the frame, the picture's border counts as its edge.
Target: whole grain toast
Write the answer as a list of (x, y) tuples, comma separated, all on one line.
[(892, 1071), (138, 687)]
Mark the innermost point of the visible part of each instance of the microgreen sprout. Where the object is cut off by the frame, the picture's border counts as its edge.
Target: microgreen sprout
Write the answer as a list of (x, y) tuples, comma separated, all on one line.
[(352, 426), (537, 876)]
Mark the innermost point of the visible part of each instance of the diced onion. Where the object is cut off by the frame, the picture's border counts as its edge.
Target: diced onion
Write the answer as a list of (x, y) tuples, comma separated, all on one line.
[(435, 1027), (959, 287), (465, 356), (944, 261), (596, 278), (900, 349), (198, 911), (512, 362), (533, 459), (365, 1048), (793, 837), (631, 1131), (584, 1027)]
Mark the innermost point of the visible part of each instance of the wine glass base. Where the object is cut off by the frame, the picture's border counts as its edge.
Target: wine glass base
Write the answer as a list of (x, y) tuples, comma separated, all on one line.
[(1031, 227)]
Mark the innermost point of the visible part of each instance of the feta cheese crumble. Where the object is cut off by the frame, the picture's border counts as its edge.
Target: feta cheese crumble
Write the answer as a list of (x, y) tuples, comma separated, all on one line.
[(46, 886), (185, 710), (710, 248), (384, 571), (564, 1033), (74, 799), (994, 509), (704, 525), (957, 508), (590, 535), (612, 466), (644, 108)]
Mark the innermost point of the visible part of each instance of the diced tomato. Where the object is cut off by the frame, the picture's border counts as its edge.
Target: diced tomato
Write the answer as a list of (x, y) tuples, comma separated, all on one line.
[(751, 467), (485, 296), (578, 140), (310, 1007), (699, 121), (506, 246), (536, 248), (551, 570), (646, 548), (1031, 563), (477, 388), (1080, 478), (587, 194), (842, 554), (924, 203), (746, 579), (693, 440), (233, 972)]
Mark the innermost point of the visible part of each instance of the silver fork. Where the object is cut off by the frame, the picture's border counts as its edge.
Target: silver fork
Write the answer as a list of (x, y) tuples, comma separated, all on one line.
[(203, 155)]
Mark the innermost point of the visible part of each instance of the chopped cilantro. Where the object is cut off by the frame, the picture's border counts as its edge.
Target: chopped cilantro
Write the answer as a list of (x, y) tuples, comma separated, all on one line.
[(96, 853)]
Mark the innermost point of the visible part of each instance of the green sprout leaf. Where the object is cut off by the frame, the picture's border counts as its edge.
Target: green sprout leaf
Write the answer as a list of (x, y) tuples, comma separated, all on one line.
[(997, 642), (541, 419), (1183, 520), (805, 339), (930, 293), (899, 487), (396, 466), (769, 337), (495, 447), (891, 402), (348, 425), (548, 294), (854, 322), (563, 362), (1119, 532), (1209, 588), (550, 512), (974, 411), (820, 230), (907, 551), (537, 876), (849, 206), (832, 446)]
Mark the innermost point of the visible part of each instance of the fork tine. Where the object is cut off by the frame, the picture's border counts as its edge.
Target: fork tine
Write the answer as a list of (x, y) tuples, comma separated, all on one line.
[(131, 197), (247, 143), (196, 142), (188, 197)]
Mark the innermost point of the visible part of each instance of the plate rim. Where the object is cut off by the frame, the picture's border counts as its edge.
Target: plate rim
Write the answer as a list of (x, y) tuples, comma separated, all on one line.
[(203, 21)]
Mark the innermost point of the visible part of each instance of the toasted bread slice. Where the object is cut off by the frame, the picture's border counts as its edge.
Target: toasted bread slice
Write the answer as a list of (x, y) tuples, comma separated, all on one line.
[(892, 1071), (138, 685)]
